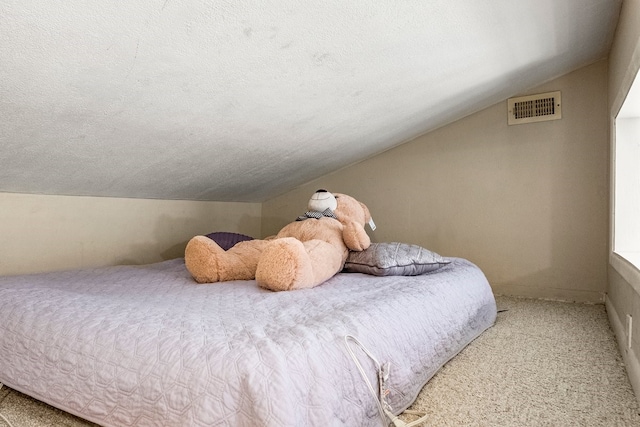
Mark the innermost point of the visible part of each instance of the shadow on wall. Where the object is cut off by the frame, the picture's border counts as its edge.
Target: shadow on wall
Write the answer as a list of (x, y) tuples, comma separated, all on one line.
[(171, 234)]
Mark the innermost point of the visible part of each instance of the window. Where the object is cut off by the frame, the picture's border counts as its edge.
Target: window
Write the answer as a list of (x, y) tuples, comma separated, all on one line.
[(627, 178)]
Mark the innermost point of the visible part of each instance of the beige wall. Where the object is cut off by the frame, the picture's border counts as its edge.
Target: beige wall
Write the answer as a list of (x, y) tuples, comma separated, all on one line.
[(527, 203), (46, 233), (623, 293)]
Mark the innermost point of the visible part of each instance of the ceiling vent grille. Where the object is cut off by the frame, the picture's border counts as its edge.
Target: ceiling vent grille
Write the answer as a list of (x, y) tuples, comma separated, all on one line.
[(534, 108)]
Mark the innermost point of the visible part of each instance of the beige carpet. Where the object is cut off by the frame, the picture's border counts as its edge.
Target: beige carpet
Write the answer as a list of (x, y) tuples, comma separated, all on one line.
[(544, 363)]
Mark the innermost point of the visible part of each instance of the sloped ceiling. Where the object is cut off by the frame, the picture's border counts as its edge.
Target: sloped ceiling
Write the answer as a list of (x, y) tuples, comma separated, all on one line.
[(243, 100)]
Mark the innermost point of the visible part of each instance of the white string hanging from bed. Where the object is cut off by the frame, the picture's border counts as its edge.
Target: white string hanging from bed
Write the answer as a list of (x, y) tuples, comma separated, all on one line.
[(385, 410)]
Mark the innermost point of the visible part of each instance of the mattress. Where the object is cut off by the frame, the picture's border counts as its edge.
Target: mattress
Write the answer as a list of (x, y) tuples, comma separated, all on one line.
[(147, 346)]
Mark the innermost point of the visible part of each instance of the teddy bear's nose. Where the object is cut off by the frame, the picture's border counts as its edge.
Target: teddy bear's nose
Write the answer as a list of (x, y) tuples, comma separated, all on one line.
[(322, 190)]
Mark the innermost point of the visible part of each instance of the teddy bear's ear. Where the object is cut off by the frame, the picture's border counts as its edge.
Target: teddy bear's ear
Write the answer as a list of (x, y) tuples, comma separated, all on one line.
[(367, 217), (367, 214)]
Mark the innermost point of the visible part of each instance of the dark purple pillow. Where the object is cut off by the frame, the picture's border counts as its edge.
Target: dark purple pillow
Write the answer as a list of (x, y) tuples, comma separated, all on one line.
[(227, 240)]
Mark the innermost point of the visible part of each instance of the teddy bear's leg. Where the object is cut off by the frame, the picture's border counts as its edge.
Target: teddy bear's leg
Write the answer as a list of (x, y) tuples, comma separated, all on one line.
[(207, 262), (326, 260), (288, 264), (201, 259)]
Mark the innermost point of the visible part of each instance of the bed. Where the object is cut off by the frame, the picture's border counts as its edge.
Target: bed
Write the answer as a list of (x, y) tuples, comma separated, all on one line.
[(146, 346)]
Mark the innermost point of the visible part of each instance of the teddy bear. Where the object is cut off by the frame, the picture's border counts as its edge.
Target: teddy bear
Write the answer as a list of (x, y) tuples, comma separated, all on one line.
[(304, 253)]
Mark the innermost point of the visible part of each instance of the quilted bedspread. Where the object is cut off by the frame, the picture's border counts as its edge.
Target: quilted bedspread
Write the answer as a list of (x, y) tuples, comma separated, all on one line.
[(147, 346)]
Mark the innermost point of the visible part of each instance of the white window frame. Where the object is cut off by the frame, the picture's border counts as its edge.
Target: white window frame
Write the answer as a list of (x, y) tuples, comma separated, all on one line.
[(626, 210)]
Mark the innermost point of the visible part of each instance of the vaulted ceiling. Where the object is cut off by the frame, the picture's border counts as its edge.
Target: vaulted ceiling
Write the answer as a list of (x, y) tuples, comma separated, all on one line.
[(244, 100)]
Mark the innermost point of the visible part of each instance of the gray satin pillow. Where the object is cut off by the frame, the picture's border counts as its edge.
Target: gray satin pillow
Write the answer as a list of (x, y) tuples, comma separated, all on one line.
[(394, 259)]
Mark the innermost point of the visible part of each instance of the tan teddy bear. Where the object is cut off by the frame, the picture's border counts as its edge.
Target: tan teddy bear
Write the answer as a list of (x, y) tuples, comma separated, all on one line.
[(304, 254)]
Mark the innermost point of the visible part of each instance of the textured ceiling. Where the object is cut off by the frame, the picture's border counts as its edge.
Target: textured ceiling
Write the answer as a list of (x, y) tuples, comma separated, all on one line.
[(244, 100)]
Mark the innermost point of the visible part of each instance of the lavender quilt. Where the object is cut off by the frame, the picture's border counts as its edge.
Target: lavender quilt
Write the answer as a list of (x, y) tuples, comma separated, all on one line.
[(147, 346)]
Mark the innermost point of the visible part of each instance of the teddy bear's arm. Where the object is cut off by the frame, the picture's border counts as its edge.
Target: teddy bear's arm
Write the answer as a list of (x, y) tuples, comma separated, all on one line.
[(355, 237)]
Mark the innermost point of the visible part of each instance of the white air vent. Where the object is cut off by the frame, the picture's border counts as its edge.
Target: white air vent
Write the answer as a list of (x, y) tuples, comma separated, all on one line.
[(534, 108)]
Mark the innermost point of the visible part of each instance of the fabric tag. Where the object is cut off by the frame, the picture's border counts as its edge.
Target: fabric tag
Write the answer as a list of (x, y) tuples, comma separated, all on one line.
[(372, 224)]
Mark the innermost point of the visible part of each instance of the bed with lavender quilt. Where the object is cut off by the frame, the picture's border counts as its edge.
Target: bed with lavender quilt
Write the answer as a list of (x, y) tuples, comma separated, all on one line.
[(146, 346)]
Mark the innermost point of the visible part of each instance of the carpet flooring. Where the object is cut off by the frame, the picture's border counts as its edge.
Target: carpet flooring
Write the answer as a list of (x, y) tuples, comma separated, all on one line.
[(543, 363)]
